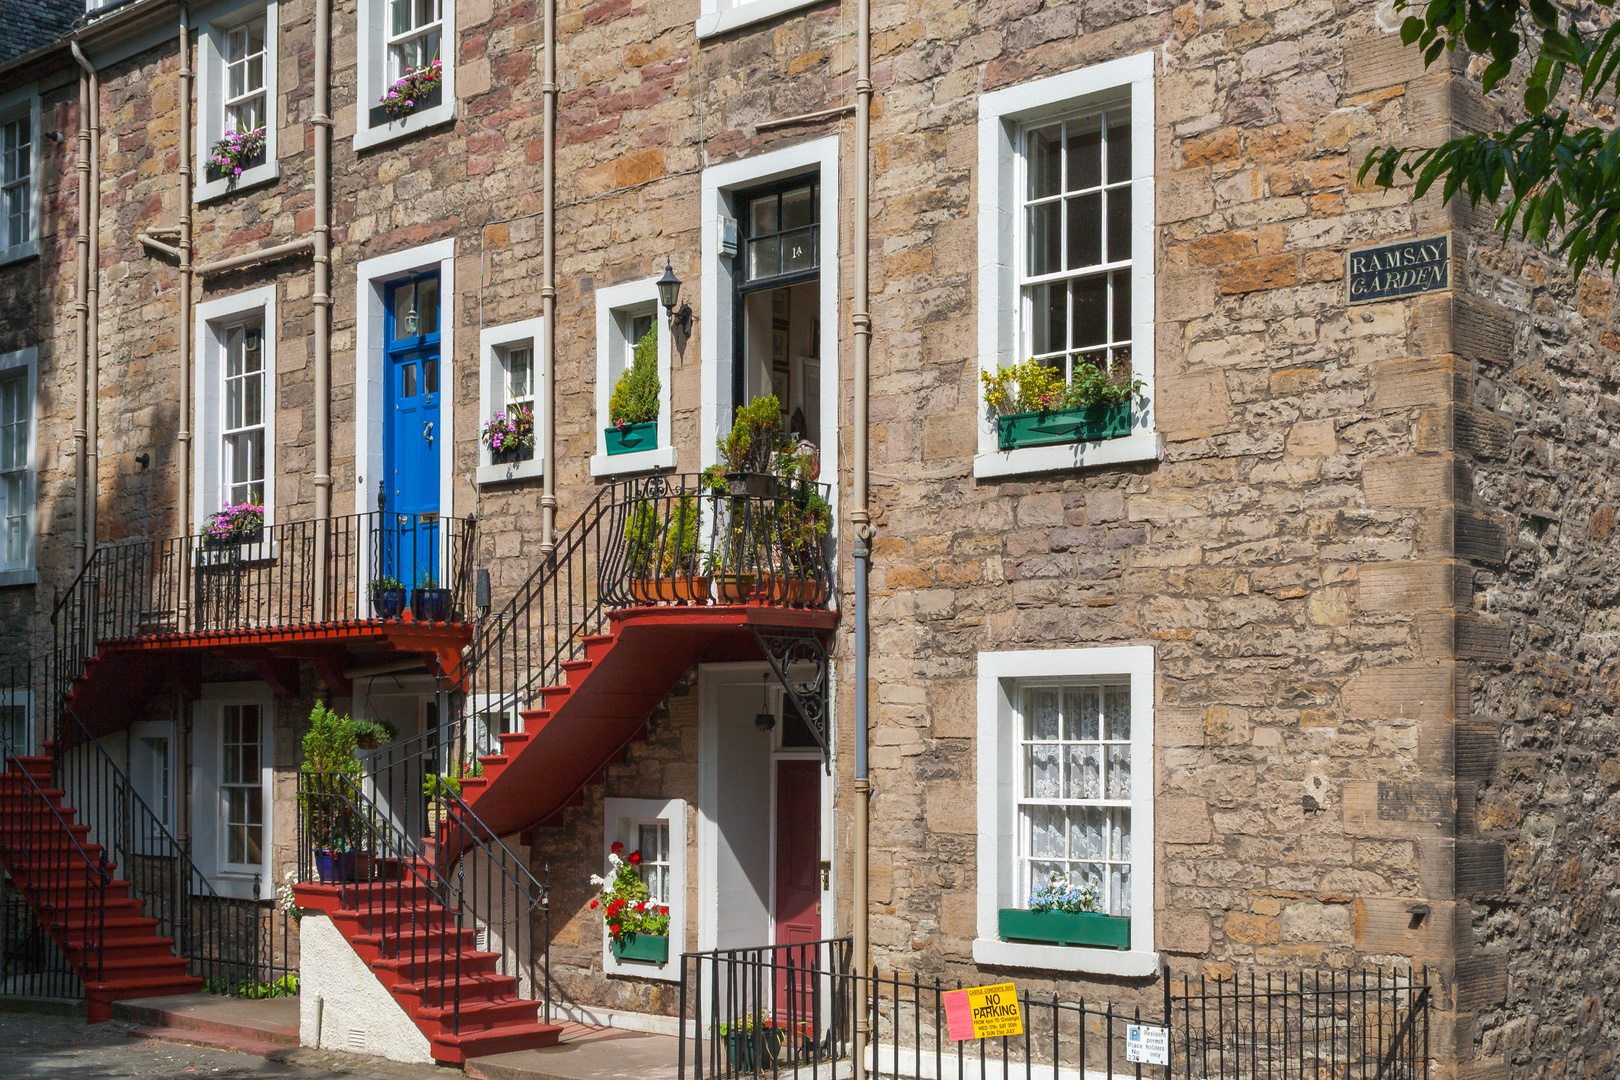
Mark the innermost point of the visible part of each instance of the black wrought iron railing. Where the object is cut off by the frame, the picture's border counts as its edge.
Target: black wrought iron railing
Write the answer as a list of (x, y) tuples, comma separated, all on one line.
[(298, 573), (243, 946), (661, 541), (445, 930), (792, 1011)]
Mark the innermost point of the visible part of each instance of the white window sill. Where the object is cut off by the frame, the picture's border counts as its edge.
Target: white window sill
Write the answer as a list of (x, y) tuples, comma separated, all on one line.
[(1143, 446), (743, 14), (23, 576), (659, 457), (669, 971), (1129, 965), (22, 251), (397, 129), (511, 470), (218, 189), (237, 882)]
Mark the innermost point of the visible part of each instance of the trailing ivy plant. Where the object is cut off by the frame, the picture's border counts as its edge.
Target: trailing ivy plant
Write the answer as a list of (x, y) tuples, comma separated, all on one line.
[(635, 395)]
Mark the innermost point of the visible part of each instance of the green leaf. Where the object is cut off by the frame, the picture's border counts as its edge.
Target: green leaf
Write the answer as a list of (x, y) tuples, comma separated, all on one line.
[(1433, 53), (1535, 98), (1411, 29)]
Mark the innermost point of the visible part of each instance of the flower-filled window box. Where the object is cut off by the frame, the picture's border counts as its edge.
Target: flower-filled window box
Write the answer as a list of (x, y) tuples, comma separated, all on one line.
[(238, 523), (416, 91), (236, 153), (633, 408), (509, 434), (1062, 914), (1034, 405), (637, 924)]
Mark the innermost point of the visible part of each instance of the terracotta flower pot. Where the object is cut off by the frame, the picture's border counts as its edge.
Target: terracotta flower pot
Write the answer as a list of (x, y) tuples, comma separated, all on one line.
[(735, 588), (670, 590)]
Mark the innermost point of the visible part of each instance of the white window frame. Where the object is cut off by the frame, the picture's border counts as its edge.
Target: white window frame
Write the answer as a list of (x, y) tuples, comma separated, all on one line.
[(1000, 748), (24, 571), (619, 820), (717, 17), (214, 24), (1003, 117), (13, 697), (614, 306), (371, 70), (720, 183), (208, 453), (207, 806), (24, 101), (493, 343), (158, 793)]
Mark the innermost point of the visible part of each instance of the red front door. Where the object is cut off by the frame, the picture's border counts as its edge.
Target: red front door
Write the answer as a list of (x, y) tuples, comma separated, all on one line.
[(798, 879)]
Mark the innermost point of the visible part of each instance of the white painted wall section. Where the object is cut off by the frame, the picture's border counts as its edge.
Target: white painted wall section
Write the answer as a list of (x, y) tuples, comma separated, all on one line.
[(357, 1014)]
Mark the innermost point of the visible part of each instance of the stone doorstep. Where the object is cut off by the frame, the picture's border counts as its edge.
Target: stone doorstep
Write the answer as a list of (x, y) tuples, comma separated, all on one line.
[(585, 1053), (271, 1022), (240, 1044)]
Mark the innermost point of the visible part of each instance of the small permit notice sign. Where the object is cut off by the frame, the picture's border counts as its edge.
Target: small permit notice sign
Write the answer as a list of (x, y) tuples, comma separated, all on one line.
[(983, 1012), (1148, 1045)]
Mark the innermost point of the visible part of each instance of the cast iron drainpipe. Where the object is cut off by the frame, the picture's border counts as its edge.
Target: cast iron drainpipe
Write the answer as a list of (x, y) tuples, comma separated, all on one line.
[(90, 301), (81, 307), (860, 517)]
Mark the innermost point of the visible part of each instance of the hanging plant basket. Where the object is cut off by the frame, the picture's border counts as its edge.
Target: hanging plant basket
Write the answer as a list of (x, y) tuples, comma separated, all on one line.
[(1060, 426)]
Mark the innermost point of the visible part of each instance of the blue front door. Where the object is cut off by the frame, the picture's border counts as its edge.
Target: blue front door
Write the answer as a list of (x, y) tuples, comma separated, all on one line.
[(413, 432)]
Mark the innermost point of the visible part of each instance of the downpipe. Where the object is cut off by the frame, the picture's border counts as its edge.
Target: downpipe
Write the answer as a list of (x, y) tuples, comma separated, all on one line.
[(548, 289), (90, 299), (322, 299)]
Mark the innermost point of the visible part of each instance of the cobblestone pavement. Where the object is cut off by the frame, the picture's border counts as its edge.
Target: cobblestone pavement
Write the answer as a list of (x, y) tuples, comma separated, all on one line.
[(34, 1047)]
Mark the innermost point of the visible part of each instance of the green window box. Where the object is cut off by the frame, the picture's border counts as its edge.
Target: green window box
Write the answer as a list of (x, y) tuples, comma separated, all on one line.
[(1066, 928), (1063, 426), (632, 438), (648, 948)]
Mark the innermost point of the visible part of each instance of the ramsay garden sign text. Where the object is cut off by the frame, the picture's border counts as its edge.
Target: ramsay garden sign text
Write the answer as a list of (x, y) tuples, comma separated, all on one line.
[(1399, 269)]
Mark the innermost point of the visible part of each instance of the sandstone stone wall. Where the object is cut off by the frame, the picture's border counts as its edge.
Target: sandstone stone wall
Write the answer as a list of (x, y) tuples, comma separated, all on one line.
[(1355, 558)]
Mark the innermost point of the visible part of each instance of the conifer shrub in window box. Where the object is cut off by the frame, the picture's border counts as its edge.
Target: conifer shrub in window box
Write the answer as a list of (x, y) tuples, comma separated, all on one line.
[(633, 408)]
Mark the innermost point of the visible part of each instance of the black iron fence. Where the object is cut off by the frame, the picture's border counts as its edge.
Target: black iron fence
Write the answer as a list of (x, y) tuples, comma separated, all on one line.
[(793, 1010)]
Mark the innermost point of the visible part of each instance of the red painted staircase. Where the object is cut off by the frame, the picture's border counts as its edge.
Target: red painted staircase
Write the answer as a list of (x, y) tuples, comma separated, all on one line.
[(448, 988), (584, 725), (88, 913)]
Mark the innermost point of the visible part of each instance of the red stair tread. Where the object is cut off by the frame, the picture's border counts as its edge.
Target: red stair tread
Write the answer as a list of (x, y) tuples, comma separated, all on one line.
[(49, 871)]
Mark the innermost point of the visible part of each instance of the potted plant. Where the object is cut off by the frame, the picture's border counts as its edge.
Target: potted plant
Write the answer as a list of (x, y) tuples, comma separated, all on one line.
[(418, 89), (633, 408), (237, 151), (388, 597), (370, 734), (752, 445), (509, 434), (753, 1042), (1063, 914), (329, 822), (429, 603), (233, 525), (1034, 406), (438, 787), (664, 554), (637, 924)]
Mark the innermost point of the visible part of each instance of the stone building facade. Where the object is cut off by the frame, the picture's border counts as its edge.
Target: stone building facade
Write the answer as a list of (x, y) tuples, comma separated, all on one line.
[(1349, 562)]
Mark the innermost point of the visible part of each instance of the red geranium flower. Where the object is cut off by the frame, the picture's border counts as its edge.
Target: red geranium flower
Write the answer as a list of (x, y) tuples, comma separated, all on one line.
[(635, 858), (617, 848), (614, 930), (594, 903)]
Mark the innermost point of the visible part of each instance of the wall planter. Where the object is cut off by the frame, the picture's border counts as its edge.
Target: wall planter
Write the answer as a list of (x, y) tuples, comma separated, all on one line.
[(511, 456), (647, 948), (735, 588), (632, 438), (433, 98), (1063, 426), (221, 172), (430, 605), (1065, 928)]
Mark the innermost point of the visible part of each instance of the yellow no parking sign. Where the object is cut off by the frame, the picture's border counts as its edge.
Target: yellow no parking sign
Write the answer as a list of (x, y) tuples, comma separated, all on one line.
[(983, 1012)]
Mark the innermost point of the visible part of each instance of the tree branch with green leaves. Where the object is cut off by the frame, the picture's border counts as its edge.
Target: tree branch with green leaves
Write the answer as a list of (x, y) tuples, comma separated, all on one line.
[(1555, 174)]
